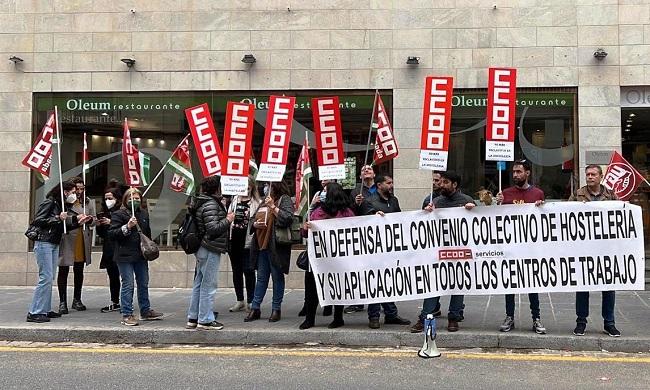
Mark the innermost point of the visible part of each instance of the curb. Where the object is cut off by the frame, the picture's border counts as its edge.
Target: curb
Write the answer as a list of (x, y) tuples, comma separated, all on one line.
[(351, 338)]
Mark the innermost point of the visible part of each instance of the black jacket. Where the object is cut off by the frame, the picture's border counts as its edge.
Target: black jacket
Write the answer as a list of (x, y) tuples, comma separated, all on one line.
[(108, 245), (50, 226), (367, 193), (212, 222), (280, 254), (127, 247), (377, 203)]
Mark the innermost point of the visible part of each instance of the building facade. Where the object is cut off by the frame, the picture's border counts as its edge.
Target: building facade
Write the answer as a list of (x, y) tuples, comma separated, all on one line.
[(583, 76)]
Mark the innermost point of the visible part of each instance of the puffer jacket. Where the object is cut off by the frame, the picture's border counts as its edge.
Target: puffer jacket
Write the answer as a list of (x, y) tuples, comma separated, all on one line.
[(50, 226), (212, 222), (127, 247)]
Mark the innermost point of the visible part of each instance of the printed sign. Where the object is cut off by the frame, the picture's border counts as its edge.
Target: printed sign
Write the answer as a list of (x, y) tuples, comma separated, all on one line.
[(500, 127), (276, 138), (436, 123), (329, 139), (205, 139), (237, 146)]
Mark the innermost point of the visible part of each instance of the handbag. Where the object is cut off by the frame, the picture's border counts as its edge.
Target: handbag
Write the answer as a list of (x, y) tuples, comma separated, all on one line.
[(148, 247), (290, 235), (32, 232), (303, 261)]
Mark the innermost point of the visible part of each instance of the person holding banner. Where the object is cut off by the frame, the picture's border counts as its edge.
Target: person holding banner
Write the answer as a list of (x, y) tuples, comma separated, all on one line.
[(243, 270), (125, 231), (522, 192), (594, 191), (450, 196), (48, 224), (112, 202), (272, 258), (381, 203), (75, 250)]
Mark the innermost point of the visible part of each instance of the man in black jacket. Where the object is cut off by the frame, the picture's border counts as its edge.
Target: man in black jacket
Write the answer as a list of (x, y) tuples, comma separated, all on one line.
[(214, 223), (381, 203)]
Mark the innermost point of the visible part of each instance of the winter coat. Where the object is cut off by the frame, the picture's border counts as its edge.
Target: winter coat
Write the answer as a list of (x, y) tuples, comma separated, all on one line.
[(108, 245), (66, 250), (280, 254), (50, 226), (583, 195), (211, 218), (127, 247)]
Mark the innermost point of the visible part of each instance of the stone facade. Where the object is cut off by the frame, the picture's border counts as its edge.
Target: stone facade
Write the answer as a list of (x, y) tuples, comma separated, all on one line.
[(76, 45)]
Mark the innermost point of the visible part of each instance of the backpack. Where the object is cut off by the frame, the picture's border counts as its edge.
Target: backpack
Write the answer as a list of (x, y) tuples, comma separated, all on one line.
[(189, 236)]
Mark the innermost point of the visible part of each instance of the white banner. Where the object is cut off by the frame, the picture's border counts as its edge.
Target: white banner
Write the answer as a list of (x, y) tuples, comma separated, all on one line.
[(563, 246)]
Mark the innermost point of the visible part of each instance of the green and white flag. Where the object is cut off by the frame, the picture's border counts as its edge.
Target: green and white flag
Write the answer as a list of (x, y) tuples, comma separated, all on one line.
[(145, 168), (181, 163)]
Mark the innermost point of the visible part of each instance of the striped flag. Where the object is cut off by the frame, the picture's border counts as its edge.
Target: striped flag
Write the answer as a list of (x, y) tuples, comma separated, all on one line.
[(303, 174), (181, 163), (253, 168), (145, 167)]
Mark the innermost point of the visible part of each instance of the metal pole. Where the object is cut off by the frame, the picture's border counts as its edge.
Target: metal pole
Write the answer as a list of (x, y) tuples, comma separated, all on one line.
[(163, 168), (83, 177), (58, 148), (374, 106)]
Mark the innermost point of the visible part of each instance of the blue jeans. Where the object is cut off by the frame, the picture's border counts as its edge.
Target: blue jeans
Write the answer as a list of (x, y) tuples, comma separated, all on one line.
[(390, 310), (608, 303), (205, 286), (456, 306), (47, 258), (141, 271), (266, 269)]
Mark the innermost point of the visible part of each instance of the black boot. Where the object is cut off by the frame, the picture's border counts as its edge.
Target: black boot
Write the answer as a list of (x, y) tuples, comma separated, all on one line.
[(63, 307), (77, 305)]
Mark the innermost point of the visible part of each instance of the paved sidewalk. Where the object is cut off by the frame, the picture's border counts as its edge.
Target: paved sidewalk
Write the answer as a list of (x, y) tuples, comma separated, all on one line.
[(483, 315)]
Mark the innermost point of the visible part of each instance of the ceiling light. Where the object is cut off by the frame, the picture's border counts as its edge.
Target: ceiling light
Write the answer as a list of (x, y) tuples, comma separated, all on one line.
[(632, 115), (248, 59), (128, 61), (15, 59), (600, 54)]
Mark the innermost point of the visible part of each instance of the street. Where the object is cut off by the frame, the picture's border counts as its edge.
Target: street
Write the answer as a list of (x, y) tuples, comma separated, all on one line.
[(80, 366)]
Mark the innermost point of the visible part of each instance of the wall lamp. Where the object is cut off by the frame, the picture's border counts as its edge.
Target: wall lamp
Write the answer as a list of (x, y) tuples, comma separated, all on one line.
[(600, 54), (128, 61), (412, 60), (248, 59), (15, 59)]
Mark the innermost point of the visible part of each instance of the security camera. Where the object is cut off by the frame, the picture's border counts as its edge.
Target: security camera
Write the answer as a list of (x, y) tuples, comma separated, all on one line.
[(600, 54), (132, 10)]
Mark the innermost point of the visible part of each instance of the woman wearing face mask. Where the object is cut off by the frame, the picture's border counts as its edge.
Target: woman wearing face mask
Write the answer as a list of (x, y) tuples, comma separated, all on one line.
[(49, 220), (243, 270), (75, 250), (128, 256), (112, 202), (272, 259)]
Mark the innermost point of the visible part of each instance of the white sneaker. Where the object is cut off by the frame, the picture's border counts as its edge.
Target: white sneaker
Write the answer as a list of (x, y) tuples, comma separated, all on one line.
[(239, 306)]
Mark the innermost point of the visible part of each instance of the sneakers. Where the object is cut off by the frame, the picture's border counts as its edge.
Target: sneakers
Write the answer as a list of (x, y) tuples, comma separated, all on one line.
[(151, 315), (508, 324), (418, 327), (239, 306), (397, 320), (214, 325), (129, 321), (353, 309), (191, 323), (373, 323), (538, 327), (580, 329), (77, 305), (110, 308), (39, 318), (612, 331)]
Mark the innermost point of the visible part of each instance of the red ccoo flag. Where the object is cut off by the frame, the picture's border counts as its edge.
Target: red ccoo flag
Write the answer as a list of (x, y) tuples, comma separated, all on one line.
[(130, 159), (39, 157), (385, 143), (621, 177)]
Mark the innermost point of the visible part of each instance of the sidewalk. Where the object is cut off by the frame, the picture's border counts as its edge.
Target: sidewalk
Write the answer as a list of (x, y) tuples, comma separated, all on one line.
[(483, 315)]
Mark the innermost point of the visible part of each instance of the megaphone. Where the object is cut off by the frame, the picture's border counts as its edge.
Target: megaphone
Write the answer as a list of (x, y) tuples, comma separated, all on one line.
[(429, 348)]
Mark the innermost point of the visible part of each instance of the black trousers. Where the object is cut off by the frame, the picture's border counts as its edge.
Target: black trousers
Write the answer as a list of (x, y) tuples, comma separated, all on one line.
[(62, 280), (311, 300), (242, 272), (114, 281)]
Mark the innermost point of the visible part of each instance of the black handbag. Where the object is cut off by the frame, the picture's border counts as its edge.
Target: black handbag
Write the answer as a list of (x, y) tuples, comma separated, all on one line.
[(148, 247), (290, 235), (32, 232), (303, 261)]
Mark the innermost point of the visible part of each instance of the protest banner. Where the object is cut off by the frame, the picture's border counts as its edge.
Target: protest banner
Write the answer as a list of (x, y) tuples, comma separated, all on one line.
[(513, 249), (237, 145), (205, 139), (329, 138), (436, 123), (500, 127), (275, 154)]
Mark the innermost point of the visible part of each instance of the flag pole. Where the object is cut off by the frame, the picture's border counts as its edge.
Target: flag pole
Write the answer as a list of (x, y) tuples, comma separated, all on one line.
[(58, 149), (83, 177), (132, 204), (163, 168), (372, 118), (303, 176)]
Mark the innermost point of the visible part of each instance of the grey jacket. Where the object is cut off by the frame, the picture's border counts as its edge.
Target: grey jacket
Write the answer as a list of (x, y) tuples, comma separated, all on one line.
[(66, 250)]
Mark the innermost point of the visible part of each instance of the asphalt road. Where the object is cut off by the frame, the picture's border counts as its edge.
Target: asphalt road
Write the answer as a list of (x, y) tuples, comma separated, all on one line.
[(97, 367)]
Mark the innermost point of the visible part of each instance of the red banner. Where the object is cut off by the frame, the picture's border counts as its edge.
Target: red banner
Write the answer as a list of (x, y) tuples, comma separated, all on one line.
[(205, 139), (385, 143), (329, 139), (237, 146), (130, 159), (436, 123), (500, 127), (39, 157), (279, 120), (621, 177)]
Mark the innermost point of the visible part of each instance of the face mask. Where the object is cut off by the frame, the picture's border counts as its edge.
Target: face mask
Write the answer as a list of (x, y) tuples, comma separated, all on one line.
[(110, 203), (135, 203), (266, 190), (322, 196), (71, 198)]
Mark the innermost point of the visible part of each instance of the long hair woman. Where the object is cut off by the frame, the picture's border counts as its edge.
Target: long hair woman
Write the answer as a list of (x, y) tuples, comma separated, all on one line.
[(272, 258), (48, 221), (111, 203), (336, 205), (243, 270), (124, 230)]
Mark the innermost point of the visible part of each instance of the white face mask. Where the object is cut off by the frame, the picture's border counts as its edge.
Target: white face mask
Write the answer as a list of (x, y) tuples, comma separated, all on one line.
[(110, 203), (71, 198)]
